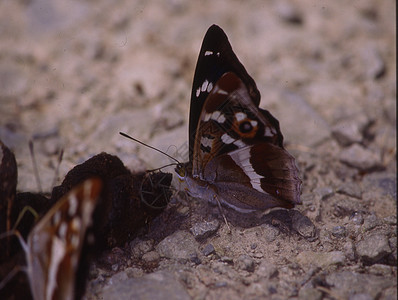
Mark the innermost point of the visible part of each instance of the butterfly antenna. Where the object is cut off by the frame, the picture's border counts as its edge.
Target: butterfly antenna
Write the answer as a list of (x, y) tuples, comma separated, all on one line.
[(149, 146), (60, 156), (157, 169), (35, 169)]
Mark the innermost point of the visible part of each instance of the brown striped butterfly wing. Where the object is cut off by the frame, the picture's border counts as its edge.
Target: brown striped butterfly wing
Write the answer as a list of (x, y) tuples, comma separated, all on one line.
[(237, 152), (55, 243)]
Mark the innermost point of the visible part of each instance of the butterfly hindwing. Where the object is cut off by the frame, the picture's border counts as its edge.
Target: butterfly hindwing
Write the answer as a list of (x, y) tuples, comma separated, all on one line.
[(55, 243)]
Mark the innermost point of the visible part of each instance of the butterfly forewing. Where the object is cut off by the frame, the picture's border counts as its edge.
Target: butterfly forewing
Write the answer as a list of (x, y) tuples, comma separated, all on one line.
[(215, 59), (55, 243), (236, 148)]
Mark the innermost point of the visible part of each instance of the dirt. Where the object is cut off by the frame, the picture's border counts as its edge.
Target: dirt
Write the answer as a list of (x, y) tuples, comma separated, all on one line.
[(74, 74)]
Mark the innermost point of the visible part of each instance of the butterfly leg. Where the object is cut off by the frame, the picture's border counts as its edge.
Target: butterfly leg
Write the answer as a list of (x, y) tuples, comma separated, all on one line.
[(222, 212)]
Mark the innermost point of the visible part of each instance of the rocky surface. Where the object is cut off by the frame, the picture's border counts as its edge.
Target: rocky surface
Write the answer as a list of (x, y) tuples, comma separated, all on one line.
[(73, 74)]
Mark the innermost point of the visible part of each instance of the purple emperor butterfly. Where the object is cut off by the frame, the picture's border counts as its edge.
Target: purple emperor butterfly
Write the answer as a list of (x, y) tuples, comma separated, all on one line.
[(236, 153), (54, 245)]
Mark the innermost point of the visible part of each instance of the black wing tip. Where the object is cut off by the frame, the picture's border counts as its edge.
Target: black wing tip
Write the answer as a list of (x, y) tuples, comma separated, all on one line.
[(215, 30)]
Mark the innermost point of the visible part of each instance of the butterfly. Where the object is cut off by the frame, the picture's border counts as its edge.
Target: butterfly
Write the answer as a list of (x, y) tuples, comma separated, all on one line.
[(236, 153), (55, 243)]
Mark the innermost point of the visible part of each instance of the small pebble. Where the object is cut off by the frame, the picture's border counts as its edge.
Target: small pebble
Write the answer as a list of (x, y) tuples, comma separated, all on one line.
[(202, 230), (151, 256), (208, 249), (324, 192), (357, 218), (350, 189), (361, 296), (289, 13), (358, 157), (373, 248), (219, 284), (227, 259), (195, 259), (246, 263), (339, 231)]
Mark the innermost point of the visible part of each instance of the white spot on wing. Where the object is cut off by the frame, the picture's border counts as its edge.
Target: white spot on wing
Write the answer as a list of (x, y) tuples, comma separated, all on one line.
[(207, 117), (75, 240), (204, 85), (62, 230), (207, 53), (57, 217), (218, 116), (267, 132), (209, 87), (254, 123), (222, 92), (227, 139), (221, 118), (72, 204), (240, 143), (240, 116), (206, 142), (198, 92)]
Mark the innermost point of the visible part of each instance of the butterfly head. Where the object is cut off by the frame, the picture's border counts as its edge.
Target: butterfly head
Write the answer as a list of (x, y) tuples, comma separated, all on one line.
[(182, 171)]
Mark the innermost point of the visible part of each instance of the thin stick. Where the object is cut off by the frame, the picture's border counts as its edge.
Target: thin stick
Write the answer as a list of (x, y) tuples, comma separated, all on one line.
[(35, 169), (60, 156)]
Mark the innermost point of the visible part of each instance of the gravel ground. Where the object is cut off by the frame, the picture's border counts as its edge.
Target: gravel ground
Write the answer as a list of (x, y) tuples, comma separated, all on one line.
[(73, 74)]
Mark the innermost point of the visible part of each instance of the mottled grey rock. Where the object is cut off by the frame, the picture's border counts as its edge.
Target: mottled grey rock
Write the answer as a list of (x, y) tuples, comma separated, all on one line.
[(320, 259), (151, 256), (360, 158), (246, 263), (302, 224), (310, 294), (357, 218), (324, 192), (350, 130), (349, 250), (385, 183), (373, 247), (208, 249), (270, 232), (267, 270), (288, 12), (138, 248), (339, 231), (227, 259), (347, 283), (361, 296), (180, 245), (371, 221), (157, 286), (133, 272), (350, 189), (391, 220), (202, 230), (313, 128), (374, 62), (347, 132)]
